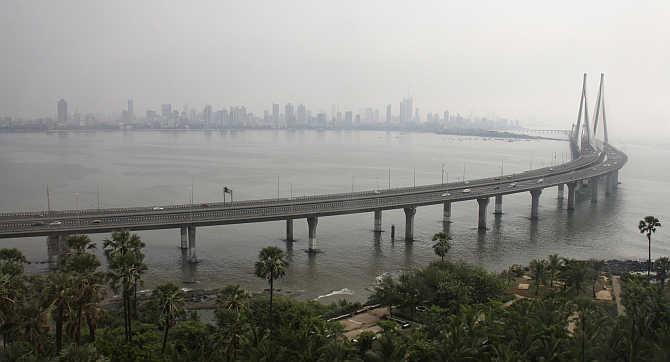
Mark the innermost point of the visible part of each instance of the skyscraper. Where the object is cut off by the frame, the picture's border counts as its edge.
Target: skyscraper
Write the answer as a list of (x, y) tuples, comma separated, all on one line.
[(388, 113), (131, 109), (275, 114), (406, 109), (61, 114), (166, 110), (289, 114)]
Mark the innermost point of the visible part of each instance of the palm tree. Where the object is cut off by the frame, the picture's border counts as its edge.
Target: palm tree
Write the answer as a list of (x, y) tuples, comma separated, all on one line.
[(538, 269), (232, 299), (662, 266), (270, 266), (575, 274), (555, 263), (126, 265), (171, 301), (59, 290), (442, 246), (87, 288), (231, 302), (648, 226)]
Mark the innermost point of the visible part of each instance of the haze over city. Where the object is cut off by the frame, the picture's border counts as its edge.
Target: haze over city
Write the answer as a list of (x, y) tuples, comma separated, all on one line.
[(334, 180), (519, 60)]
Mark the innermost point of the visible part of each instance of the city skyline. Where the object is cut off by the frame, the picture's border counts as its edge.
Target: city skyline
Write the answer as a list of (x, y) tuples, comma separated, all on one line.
[(520, 60), (294, 116)]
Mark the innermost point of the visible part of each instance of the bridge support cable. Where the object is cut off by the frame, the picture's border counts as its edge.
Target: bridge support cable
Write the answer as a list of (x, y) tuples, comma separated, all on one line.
[(446, 215), (289, 230), (498, 205), (535, 203), (184, 237), (311, 225), (561, 188), (483, 203), (593, 183), (377, 221), (409, 223), (581, 135), (191, 244), (572, 186)]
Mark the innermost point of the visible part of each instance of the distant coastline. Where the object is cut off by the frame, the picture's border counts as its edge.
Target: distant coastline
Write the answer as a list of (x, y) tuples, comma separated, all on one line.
[(452, 132)]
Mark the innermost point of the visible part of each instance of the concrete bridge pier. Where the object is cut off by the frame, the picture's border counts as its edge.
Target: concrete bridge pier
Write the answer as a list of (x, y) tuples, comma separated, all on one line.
[(311, 224), (608, 184), (289, 230), (409, 223), (446, 218), (483, 203), (571, 195), (378, 221), (612, 182), (56, 247), (184, 237), (498, 205), (593, 183), (561, 187), (191, 244), (535, 203)]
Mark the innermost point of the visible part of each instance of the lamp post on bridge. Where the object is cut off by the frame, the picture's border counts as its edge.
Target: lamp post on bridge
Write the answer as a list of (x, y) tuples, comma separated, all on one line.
[(443, 174), (227, 190)]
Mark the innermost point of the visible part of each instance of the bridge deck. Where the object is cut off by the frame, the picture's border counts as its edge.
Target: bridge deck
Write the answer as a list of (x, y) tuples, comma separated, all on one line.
[(173, 216)]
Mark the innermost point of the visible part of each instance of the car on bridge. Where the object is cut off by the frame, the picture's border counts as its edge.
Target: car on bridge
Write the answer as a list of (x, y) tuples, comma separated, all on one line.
[(513, 184), (55, 223), (466, 191), (95, 222), (158, 208)]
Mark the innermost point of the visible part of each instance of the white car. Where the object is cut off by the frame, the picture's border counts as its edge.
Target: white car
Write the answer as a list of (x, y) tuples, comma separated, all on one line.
[(540, 180), (446, 194), (466, 191), (157, 208), (57, 222), (513, 184)]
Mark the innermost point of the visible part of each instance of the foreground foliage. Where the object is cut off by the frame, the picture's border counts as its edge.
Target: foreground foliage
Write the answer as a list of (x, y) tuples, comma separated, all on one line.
[(461, 313)]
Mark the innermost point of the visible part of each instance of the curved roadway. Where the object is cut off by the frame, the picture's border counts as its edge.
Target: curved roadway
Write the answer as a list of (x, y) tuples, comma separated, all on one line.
[(43, 223)]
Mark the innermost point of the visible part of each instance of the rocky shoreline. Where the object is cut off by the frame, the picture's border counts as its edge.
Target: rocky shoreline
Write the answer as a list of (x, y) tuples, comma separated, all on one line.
[(620, 267)]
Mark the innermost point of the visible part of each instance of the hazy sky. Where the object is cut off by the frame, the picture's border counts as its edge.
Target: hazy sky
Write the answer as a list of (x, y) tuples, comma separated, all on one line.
[(519, 59)]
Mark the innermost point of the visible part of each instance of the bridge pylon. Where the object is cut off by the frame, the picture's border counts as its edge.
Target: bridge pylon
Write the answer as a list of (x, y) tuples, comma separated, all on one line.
[(600, 109)]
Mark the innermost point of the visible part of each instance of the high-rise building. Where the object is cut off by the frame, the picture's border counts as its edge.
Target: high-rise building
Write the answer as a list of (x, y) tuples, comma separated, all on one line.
[(275, 114), (348, 118), (207, 114), (388, 113), (166, 110), (61, 114), (131, 109), (302, 115), (406, 109), (289, 114)]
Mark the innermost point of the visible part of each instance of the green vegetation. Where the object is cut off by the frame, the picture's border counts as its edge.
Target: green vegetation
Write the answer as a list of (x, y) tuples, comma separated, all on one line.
[(648, 226), (456, 312)]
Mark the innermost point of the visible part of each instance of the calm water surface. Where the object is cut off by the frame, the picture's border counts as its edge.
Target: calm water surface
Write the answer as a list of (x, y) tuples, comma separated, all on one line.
[(153, 168)]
